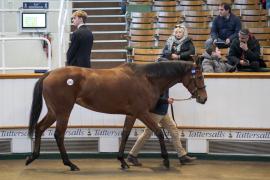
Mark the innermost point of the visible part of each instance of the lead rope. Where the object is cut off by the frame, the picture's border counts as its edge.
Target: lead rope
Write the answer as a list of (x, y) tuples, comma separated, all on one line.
[(185, 99), (172, 111), (193, 72)]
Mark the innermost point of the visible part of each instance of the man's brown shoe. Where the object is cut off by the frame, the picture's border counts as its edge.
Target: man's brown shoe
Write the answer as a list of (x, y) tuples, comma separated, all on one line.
[(133, 160), (186, 159)]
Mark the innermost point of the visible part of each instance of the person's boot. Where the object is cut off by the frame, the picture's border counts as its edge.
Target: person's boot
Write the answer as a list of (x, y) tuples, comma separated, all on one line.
[(186, 159), (133, 160)]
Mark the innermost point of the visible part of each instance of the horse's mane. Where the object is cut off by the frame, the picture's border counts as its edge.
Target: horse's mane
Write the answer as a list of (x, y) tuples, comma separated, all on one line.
[(161, 69)]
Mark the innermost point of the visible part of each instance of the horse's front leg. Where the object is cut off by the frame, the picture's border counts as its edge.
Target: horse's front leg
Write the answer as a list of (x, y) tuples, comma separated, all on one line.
[(151, 124), (129, 122)]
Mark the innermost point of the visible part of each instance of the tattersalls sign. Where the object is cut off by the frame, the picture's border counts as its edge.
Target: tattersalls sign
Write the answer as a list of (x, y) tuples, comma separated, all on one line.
[(227, 134), (203, 134), (250, 135), (116, 132)]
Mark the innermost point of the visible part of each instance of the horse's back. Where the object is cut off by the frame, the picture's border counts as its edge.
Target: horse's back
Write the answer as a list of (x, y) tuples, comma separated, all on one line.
[(69, 78), (78, 73), (96, 89)]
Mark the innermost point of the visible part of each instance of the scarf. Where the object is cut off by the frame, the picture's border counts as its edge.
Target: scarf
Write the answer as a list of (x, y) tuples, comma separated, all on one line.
[(172, 41)]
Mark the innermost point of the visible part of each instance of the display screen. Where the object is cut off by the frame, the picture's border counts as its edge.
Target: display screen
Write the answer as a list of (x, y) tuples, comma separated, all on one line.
[(34, 20)]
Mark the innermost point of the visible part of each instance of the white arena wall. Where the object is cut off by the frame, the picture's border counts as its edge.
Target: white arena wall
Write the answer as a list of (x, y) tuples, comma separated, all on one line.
[(236, 112)]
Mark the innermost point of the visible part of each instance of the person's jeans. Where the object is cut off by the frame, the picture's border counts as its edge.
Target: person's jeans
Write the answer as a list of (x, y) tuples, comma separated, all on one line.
[(123, 6), (267, 4), (167, 123)]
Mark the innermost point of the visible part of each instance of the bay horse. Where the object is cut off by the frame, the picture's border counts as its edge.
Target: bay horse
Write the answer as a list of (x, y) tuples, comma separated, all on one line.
[(131, 89)]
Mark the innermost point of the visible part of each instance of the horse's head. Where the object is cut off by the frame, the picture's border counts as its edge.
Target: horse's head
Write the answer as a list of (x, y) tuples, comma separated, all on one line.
[(194, 82)]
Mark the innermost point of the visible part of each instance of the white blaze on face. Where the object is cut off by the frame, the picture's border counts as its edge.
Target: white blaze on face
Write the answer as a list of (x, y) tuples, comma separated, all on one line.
[(70, 82)]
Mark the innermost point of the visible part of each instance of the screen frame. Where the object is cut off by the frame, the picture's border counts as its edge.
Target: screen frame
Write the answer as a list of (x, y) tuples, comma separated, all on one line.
[(22, 22)]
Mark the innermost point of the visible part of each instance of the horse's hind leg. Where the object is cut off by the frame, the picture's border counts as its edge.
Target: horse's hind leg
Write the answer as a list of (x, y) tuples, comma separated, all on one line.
[(129, 122), (61, 126), (151, 124), (44, 124)]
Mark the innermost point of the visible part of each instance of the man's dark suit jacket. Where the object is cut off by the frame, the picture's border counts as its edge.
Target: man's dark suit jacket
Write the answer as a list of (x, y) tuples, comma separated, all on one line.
[(80, 48)]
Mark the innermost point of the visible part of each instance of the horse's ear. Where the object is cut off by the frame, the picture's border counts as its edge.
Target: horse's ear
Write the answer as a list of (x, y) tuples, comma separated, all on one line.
[(199, 60), (193, 57), (196, 59)]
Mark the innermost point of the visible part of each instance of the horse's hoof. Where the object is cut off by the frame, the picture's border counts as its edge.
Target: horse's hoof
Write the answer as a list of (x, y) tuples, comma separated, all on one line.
[(29, 159), (124, 165), (166, 163), (74, 168)]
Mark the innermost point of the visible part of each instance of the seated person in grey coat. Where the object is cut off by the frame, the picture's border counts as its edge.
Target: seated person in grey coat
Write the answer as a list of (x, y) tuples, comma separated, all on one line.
[(213, 61), (178, 46)]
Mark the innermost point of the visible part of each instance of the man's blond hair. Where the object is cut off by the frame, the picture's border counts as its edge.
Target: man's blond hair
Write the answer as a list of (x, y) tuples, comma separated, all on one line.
[(81, 14)]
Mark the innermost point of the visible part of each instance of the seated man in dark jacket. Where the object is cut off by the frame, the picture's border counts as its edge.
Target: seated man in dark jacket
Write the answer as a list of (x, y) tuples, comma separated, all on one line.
[(245, 52), (178, 46), (225, 27)]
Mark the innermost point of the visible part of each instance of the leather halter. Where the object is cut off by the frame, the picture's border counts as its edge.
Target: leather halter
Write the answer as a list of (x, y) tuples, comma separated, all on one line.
[(194, 92)]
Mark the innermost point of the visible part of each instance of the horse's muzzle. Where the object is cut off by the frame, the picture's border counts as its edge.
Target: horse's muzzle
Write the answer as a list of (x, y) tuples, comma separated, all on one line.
[(201, 100)]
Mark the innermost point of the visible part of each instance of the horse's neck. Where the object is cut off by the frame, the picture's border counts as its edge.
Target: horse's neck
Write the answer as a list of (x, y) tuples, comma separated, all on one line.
[(170, 74), (165, 83)]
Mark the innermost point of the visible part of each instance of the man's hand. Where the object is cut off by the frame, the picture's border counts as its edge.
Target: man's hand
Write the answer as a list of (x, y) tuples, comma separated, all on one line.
[(170, 100), (228, 41), (243, 46), (244, 62), (175, 56)]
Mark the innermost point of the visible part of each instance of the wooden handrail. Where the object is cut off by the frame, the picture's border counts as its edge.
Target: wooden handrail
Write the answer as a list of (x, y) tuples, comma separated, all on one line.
[(20, 76), (242, 75)]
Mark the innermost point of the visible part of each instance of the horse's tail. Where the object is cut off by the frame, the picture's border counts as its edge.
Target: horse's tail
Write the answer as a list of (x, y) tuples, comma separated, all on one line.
[(36, 106)]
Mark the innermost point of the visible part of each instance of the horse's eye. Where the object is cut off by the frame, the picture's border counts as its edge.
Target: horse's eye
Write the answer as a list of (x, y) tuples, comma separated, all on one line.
[(200, 77)]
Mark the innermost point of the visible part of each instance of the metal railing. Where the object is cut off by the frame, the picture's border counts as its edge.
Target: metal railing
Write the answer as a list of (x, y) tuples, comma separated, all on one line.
[(63, 11), (4, 68)]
